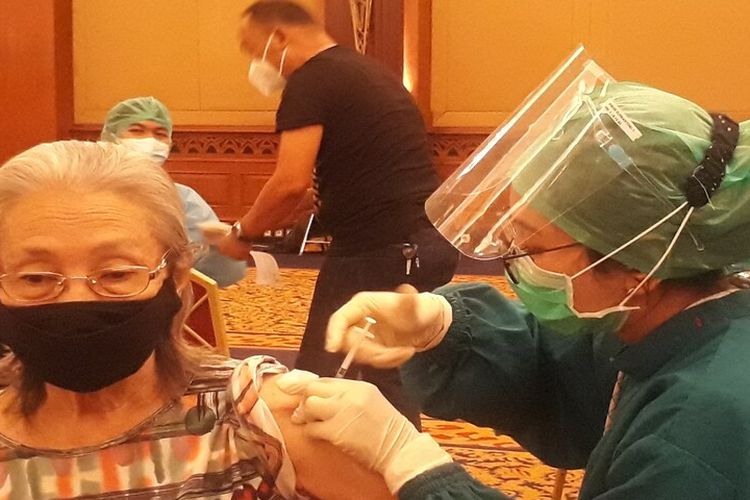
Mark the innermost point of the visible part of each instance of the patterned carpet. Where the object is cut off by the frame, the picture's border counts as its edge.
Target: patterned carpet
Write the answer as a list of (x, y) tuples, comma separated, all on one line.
[(273, 318)]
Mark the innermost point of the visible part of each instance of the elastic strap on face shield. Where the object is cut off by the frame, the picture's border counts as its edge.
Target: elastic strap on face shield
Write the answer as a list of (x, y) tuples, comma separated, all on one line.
[(706, 178), (663, 257), (709, 173), (631, 241), (704, 181)]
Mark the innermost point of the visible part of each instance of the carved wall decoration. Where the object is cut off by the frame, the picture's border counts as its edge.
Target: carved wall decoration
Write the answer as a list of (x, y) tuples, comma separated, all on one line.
[(264, 145), (455, 147), (450, 150), (229, 168), (213, 142)]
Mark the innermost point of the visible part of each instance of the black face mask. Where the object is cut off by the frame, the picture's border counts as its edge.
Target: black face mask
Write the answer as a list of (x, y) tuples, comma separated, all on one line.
[(87, 346)]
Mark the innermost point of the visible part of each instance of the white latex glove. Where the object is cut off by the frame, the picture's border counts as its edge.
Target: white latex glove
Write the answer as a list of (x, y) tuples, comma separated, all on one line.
[(407, 322), (295, 381), (355, 417)]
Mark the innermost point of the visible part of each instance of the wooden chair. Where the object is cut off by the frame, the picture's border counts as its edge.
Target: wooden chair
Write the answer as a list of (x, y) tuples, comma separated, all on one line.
[(205, 323)]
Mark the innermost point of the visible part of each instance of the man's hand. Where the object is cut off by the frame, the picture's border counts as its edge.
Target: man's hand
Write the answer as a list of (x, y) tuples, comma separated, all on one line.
[(232, 247), (288, 185)]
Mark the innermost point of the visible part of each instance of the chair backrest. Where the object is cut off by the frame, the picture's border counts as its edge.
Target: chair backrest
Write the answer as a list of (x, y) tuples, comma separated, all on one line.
[(205, 322)]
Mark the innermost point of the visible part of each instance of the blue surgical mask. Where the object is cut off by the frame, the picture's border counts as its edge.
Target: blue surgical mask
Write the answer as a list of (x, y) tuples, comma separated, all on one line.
[(549, 297)]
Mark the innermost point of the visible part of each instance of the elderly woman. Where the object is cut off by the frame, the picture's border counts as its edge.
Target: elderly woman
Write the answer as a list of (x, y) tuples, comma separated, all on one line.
[(143, 124), (106, 399), (627, 352)]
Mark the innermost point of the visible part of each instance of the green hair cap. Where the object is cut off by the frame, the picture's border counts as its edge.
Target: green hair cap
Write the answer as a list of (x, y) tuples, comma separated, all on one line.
[(608, 194), (134, 110)]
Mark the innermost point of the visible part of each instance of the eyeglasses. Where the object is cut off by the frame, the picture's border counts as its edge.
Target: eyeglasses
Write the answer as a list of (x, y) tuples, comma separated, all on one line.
[(113, 282), (508, 259)]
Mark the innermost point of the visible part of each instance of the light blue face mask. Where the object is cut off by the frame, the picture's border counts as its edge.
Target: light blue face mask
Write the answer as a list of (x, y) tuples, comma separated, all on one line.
[(549, 297)]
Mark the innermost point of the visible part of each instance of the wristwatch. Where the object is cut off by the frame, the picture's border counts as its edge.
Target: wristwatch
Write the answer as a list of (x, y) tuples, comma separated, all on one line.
[(237, 232)]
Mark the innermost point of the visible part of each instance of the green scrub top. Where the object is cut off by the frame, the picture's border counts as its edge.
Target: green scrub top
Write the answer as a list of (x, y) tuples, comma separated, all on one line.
[(682, 425)]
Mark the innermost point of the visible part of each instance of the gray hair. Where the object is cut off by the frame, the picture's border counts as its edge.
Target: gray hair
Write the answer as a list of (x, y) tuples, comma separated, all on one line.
[(95, 167), (87, 167)]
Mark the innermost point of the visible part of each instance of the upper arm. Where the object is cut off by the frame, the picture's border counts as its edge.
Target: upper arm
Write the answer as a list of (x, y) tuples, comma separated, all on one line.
[(321, 469), (298, 152)]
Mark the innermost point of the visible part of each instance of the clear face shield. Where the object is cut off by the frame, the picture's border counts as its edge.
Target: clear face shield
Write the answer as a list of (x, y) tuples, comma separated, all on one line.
[(552, 163), (476, 206)]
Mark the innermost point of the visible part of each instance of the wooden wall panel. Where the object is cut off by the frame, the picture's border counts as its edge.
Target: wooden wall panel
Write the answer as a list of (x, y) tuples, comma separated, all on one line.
[(694, 48), (184, 52), (35, 73), (386, 40), (487, 55), (339, 22), (417, 57), (229, 167)]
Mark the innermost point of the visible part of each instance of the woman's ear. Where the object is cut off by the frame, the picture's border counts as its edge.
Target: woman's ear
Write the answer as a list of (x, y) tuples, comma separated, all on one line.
[(181, 270)]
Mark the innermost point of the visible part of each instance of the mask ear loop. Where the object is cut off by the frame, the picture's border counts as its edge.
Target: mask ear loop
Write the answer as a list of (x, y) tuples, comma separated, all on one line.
[(631, 241), (662, 259), (704, 181), (283, 58), (268, 44), (636, 238)]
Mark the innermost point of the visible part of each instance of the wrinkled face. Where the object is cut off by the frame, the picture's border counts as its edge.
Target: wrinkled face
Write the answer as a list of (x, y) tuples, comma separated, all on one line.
[(144, 129), (77, 234)]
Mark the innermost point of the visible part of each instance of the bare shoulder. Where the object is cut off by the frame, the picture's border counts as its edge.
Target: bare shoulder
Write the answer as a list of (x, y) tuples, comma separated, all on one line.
[(322, 470)]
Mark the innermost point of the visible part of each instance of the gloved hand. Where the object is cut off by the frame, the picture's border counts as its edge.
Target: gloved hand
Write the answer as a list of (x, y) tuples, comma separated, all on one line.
[(355, 417), (407, 322)]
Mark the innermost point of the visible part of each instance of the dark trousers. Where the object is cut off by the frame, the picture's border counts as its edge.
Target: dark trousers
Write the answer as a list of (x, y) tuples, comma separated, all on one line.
[(342, 276)]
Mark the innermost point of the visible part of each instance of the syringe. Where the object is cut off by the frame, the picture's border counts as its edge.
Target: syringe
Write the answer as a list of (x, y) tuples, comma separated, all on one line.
[(363, 332)]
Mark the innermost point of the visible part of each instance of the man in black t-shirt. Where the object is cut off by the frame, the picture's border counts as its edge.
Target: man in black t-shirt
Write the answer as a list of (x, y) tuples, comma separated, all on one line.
[(352, 132)]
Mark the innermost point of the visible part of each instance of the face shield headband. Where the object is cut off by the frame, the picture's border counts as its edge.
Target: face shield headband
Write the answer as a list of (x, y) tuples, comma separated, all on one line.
[(699, 187), (556, 133), (549, 295)]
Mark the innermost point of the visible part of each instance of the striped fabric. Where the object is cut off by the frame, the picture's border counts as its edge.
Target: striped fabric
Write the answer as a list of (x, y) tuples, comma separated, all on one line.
[(178, 453), (613, 401)]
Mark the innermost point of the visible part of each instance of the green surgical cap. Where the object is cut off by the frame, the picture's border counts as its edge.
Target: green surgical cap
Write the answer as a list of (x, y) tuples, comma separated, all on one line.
[(135, 110), (604, 205)]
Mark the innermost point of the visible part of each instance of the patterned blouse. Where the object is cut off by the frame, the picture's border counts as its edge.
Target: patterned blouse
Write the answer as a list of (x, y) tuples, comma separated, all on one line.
[(184, 450)]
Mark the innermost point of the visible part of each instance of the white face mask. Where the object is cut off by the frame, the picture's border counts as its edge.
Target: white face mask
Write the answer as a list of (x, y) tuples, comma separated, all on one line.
[(154, 149), (264, 76)]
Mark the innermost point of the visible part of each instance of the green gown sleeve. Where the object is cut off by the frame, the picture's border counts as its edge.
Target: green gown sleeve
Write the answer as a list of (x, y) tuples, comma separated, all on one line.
[(497, 367), (653, 467), (448, 482)]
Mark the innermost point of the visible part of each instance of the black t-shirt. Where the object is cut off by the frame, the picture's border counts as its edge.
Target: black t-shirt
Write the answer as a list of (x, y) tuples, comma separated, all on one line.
[(374, 169)]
